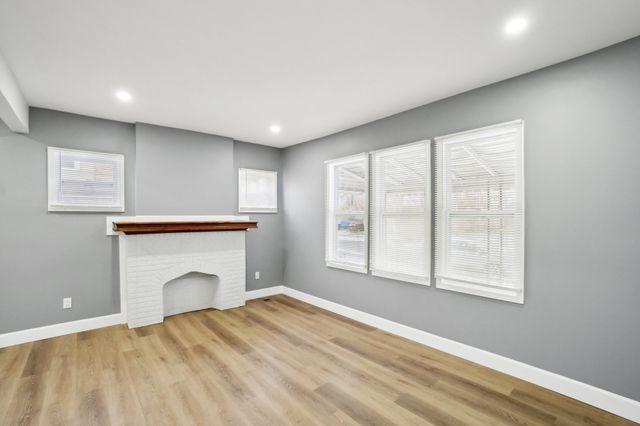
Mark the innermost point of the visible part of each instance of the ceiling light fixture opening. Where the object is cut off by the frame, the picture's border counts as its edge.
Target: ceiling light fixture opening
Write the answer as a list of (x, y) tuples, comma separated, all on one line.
[(275, 129), (123, 96), (515, 26)]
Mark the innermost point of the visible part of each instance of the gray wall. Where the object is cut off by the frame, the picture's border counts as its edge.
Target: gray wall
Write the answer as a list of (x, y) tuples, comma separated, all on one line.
[(265, 245), (47, 256), (581, 317), (183, 172)]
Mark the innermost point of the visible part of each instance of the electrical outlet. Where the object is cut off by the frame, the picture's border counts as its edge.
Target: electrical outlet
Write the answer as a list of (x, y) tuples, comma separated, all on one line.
[(257, 275), (66, 303)]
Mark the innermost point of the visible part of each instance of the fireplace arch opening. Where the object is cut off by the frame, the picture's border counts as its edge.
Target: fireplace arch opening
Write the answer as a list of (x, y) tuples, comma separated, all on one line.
[(188, 292), (148, 262)]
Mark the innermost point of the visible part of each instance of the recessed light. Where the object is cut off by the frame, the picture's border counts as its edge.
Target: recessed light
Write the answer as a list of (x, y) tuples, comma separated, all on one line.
[(515, 26), (123, 96), (275, 128)]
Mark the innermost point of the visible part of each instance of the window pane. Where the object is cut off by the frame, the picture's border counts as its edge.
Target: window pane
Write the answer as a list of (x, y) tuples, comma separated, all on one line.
[(400, 240), (481, 175), (347, 188), (480, 212), (85, 181), (257, 190), (483, 249), (350, 188), (350, 239), (404, 201), (404, 248)]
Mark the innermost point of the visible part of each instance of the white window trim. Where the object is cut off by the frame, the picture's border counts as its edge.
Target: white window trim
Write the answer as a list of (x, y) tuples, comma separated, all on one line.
[(52, 185), (330, 214), (403, 277), (455, 284), (249, 209), (428, 207)]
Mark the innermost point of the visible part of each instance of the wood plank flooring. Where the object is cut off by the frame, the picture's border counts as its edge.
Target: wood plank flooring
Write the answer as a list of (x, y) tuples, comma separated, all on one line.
[(276, 362)]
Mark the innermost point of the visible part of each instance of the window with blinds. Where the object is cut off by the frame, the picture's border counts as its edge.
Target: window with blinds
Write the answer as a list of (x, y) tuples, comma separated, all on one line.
[(257, 191), (400, 213), (480, 212), (85, 181), (347, 184)]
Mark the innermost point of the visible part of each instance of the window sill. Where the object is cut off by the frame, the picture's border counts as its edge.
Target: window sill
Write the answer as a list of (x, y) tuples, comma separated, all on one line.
[(352, 268), (401, 277), (257, 210), (508, 295), (89, 209)]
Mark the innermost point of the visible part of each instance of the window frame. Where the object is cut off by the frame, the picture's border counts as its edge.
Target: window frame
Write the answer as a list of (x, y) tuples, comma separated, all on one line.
[(53, 183), (442, 214), (375, 222), (252, 209), (331, 214)]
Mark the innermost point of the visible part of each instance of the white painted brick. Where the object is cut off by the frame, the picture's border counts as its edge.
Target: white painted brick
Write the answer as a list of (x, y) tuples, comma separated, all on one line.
[(155, 259)]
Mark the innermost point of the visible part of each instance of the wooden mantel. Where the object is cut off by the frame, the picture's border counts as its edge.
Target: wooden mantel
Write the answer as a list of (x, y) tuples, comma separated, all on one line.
[(168, 227), (171, 224)]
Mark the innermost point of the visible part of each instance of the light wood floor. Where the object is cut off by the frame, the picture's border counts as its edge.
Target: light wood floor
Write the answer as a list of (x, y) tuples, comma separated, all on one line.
[(271, 362)]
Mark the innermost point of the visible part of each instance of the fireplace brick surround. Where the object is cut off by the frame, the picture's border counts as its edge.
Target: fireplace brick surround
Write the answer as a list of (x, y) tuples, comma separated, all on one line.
[(149, 261)]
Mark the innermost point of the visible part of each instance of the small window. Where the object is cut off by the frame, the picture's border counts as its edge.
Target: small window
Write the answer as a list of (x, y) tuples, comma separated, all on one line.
[(347, 184), (257, 191), (401, 213), (480, 212), (85, 181)]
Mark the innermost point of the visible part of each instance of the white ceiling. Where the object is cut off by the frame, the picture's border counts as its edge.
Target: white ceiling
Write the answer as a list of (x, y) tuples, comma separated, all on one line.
[(315, 67)]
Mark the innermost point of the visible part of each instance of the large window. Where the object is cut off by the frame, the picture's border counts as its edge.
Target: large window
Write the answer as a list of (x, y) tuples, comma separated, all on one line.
[(400, 216), (480, 212), (85, 181), (347, 184)]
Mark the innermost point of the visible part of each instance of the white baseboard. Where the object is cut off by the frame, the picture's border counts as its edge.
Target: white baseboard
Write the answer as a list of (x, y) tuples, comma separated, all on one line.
[(264, 292), (55, 330), (608, 401)]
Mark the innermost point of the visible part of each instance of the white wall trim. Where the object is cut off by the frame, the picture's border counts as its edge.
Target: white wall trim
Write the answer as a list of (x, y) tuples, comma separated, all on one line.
[(264, 292), (609, 401), (55, 330), (14, 110)]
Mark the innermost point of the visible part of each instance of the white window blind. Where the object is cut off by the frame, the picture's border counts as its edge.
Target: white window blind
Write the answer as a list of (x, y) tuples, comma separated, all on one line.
[(400, 213), (85, 181), (257, 191), (480, 212), (347, 185)]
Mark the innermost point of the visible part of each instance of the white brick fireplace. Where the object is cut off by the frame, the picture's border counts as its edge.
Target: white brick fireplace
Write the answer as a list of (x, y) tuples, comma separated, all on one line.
[(155, 250)]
